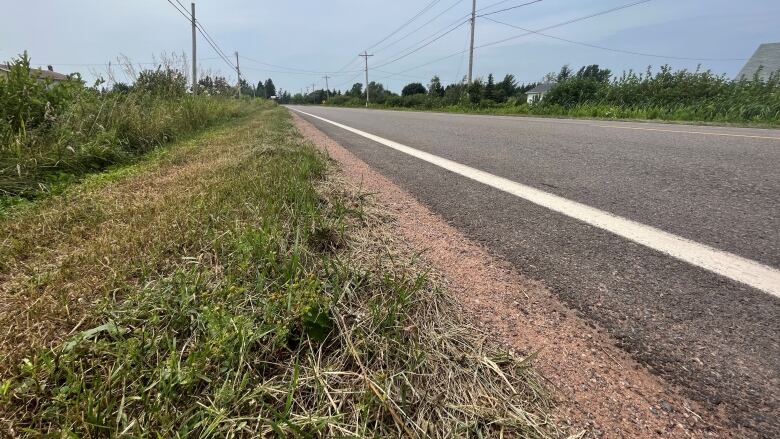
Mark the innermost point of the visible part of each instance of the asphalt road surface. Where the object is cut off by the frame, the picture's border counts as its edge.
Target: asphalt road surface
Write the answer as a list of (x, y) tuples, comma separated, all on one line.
[(668, 236)]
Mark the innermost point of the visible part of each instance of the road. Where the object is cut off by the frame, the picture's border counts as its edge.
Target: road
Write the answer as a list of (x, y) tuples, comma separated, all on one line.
[(668, 236)]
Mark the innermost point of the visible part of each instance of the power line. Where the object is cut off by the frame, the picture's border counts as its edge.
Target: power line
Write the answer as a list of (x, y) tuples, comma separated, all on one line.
[(425, 9), (492, 5), (183, 14), (509, 8), (574, 20), (437, 38), (630, 52), (198, 25), (420, 27), (438, 35), (201, 30), (286, 72), (316, 72), (213, 43), (145, 63), (347, 81), (493, 43)]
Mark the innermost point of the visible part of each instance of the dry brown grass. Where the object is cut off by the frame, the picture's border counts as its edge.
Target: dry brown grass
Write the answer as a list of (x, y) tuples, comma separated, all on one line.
[(91, 244)]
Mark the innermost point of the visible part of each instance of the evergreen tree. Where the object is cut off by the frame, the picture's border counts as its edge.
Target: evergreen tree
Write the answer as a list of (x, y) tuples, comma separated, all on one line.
[(490, 88), (507, 87), (270, 88), (260, 90)]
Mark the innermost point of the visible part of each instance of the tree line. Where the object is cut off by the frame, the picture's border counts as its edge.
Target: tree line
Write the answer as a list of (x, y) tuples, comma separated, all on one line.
[(591, 91)]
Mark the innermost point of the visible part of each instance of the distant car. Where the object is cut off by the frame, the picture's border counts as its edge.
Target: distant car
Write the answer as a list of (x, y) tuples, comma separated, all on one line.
[(274, 97)]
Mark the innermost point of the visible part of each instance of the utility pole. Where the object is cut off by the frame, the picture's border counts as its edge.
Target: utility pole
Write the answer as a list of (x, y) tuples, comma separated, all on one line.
[(471, 49), (194, 54), (327, 88), (238, 70), (365, 55)]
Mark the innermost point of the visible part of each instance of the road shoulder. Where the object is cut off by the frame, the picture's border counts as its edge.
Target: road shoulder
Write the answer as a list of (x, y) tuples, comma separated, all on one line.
[(598, 386)]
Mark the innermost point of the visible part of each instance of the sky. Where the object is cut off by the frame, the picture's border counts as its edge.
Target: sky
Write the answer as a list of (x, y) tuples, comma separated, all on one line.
[(296, 43)]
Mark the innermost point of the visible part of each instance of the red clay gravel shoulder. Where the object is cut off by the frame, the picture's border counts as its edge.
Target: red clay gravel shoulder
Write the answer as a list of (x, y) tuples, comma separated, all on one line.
[(597, 386)]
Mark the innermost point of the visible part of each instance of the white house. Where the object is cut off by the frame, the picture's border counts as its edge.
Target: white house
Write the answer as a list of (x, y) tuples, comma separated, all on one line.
[(537, 93), (765, 61)]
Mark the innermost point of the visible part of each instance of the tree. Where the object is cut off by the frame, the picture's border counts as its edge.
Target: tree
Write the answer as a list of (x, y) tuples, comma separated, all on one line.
[(476, 90), (285, 97), (435, 88), (507, 86), (454, 93), (356, 91), (490, 88), (564, 74), (270, 88), (216, 86), (415, 88), (260, 90), (594, 73), (246, 89), (378, 92)]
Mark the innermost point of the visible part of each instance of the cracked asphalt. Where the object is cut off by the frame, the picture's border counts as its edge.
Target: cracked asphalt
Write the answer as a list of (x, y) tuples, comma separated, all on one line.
[(718, 340)]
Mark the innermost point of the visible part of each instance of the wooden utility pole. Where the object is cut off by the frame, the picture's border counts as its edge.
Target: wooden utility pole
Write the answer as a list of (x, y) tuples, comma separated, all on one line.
[(471, 47), (327, 88), (238, 71), (194, 53), (365, 56)]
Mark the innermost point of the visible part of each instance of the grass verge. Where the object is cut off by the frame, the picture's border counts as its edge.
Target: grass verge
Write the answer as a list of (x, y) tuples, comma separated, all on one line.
[(236, 289), (679, 116)]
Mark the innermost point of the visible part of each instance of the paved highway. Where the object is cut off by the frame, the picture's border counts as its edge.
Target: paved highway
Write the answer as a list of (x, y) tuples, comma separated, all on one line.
[(668, 236)]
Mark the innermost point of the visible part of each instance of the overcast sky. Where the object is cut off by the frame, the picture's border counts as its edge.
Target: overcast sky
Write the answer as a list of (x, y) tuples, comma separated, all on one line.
[(326, 36)]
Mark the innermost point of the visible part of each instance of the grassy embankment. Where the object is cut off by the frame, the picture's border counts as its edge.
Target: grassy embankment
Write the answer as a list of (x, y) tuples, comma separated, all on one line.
[(52, 135), (231, 287)]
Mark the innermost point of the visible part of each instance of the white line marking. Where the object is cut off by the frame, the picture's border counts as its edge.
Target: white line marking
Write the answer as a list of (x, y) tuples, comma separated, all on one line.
[(705, 133), (726, 264)]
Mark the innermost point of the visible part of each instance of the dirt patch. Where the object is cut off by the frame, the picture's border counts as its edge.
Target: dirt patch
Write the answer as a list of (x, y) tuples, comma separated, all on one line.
[(598, 387)]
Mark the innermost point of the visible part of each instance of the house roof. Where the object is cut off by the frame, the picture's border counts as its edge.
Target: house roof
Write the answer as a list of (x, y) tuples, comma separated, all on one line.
[(41, 73), (767, 56), (541, 88)]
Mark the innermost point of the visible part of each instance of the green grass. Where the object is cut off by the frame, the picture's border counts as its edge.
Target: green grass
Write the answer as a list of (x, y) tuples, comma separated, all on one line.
[(236, 289), (92, 132)]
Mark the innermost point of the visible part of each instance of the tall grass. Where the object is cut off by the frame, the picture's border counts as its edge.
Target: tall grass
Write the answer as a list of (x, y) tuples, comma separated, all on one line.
[(51, 134)]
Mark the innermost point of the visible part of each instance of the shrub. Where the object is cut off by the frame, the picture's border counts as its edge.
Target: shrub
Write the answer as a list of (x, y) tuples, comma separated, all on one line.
[(164, 82), (414, 88), (26, 100)]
